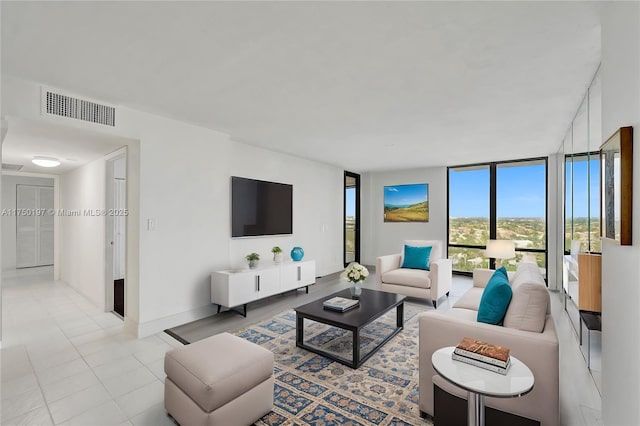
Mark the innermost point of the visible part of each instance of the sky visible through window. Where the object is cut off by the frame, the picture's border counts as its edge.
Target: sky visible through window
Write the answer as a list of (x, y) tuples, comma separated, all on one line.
[(469, 193), (350, 202), (520, 193), (581, 189)]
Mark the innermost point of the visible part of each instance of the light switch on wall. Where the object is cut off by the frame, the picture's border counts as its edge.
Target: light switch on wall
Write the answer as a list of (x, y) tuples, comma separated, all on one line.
[(152, 224)]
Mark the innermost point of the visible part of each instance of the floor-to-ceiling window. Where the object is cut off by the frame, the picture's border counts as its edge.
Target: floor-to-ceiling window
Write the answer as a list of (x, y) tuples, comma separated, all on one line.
[(468, 216), (351, 217), (521, 209), (582, 202), (500, 200)]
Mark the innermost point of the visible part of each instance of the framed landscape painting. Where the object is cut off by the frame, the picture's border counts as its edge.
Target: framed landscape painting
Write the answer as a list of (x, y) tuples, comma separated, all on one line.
[(616, 174), (406, 203)]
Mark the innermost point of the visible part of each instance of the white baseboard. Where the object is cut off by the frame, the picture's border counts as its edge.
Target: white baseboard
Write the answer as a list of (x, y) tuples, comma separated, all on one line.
[(141, 330)]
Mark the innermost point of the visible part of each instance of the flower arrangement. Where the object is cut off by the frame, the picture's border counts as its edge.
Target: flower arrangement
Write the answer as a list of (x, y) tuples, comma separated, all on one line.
[(355, 273)]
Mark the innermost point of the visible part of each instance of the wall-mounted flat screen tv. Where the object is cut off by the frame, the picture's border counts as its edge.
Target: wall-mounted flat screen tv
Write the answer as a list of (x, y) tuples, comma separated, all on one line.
[(260, 208)]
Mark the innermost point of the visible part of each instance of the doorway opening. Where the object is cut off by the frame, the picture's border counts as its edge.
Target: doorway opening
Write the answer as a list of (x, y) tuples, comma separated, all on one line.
[(116, 229), (351, 217)]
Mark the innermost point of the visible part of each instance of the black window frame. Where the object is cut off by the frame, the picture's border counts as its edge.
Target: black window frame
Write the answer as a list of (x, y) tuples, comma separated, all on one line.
[(493, 219), (356, 177)]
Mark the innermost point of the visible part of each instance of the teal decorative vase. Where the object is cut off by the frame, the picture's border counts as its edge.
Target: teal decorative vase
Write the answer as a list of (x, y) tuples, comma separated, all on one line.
[(297, 254)]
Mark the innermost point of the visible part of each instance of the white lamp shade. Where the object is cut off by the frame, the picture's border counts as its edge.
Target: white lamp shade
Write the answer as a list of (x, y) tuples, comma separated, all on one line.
[(500, 249)]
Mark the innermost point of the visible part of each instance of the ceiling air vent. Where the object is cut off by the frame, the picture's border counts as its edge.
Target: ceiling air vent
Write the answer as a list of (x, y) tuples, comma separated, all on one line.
[(11, 167), (80, 109)]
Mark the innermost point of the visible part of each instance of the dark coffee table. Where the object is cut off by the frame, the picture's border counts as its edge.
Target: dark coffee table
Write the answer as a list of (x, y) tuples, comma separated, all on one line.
[(373, 304)]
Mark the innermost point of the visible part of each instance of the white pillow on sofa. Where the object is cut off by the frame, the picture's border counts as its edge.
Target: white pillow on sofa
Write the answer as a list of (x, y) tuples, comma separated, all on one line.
[(530, 300)]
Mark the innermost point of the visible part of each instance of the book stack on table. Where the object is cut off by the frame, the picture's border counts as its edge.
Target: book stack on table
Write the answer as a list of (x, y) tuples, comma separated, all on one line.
[(340, 304), (484, 355)]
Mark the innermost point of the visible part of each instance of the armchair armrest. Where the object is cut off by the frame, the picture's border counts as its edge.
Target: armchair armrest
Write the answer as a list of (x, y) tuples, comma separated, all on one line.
[(386, 263), (441, 277)]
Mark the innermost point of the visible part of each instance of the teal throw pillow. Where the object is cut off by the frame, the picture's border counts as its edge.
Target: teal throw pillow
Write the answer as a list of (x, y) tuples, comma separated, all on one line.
[(495, 298), (501, 270), (416, 257)]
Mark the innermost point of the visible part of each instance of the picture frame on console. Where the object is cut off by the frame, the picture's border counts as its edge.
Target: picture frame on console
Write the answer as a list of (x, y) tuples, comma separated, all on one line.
[(616, 192)]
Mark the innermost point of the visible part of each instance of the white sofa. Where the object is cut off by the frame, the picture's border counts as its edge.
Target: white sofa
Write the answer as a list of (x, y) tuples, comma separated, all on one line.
[(432, 284), (528, 330)]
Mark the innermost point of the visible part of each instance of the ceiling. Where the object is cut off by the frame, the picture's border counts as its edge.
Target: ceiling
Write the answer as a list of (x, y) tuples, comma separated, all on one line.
[(362, 85), (73, 147)]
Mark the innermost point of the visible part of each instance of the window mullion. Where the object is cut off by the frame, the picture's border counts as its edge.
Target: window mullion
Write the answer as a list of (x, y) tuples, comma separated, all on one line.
[(493, 206)]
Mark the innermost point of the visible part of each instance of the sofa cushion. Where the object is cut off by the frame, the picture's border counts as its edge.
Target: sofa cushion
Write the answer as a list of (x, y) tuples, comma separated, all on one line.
[(495, 299), (409, 277), (463, 314), (471, 299), (416, 257), (530, 301)]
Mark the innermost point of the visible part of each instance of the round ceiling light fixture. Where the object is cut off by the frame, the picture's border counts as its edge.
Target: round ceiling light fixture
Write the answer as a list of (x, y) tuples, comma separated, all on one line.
[(45, 161)]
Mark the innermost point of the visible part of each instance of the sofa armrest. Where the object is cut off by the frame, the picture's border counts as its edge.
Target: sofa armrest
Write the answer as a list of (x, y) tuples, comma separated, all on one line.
[(539, 351), (441, 277), (481, 277), (385, 264)]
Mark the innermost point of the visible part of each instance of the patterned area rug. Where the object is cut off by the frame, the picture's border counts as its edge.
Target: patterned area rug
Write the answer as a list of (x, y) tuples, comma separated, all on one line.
[(313, 390)]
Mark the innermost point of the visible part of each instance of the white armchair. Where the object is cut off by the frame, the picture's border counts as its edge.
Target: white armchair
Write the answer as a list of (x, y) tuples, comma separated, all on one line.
[(432, 284)]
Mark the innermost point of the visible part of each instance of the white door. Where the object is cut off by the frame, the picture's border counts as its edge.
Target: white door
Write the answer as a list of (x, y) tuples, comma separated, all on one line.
[(34, 226), (119, 223)]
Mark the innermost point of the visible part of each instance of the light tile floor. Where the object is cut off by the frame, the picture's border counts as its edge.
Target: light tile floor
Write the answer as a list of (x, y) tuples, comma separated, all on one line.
[(63, 361)]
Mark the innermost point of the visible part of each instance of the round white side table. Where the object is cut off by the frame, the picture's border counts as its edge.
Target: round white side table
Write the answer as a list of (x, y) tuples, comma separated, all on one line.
[(479, 382)]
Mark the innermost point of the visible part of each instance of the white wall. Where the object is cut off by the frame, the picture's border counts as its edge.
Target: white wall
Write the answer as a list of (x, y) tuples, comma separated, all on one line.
[(82, 238), (9, 221), (379, 238), (184, 186), (185, 181), (318, 192), (620, 266)]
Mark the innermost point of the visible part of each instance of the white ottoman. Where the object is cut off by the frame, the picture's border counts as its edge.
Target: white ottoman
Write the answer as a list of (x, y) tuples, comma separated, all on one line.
[(221, 380)]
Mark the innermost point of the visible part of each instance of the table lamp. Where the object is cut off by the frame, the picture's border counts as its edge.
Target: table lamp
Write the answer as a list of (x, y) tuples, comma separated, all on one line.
[(500, 249)]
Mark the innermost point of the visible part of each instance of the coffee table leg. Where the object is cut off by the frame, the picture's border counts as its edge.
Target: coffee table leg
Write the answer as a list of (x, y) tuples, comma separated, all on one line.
[(356, 348), (299, 330), (475, 409), (400, 315)]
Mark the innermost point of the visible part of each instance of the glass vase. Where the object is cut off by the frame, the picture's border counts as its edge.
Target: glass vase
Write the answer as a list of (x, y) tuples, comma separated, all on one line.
[(356, 289)]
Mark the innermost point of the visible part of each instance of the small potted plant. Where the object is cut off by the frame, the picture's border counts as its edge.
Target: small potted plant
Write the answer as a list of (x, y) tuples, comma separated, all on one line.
[(277, 254), (253, 259)]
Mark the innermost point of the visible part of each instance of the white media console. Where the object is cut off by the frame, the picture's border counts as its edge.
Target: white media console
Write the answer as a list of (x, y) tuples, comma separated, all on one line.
[(235, 288)]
